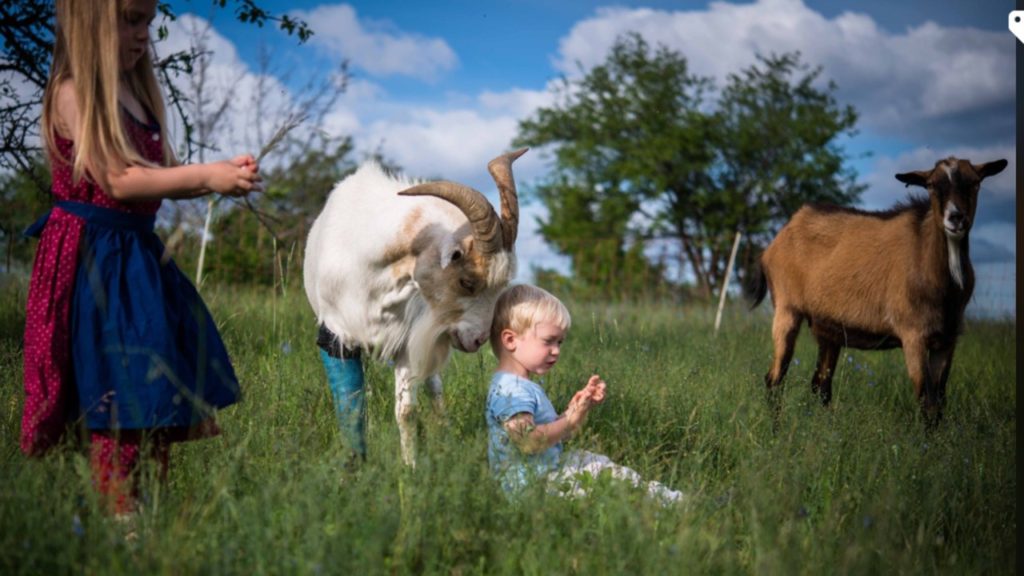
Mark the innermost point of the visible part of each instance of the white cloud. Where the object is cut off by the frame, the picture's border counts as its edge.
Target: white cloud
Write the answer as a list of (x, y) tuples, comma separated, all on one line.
[(454, 141), (452, 144), (517, 102), (894, 80), (456, 144), (376, 46), (349, 115), (227, 78), (183, 32)]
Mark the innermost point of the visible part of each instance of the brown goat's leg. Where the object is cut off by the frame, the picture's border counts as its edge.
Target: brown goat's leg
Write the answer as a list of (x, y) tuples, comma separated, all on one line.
[(821, 383), (785, 328), (939, 362), (915, 352)]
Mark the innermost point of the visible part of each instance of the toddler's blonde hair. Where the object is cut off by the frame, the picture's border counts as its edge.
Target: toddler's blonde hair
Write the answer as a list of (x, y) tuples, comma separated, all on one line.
[(523, 306)]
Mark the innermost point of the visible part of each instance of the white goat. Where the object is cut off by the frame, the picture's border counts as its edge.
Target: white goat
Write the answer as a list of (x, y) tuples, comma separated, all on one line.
[(406, 270)]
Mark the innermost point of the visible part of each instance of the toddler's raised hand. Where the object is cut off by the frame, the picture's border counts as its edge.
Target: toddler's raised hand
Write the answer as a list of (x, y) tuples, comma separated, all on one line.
[(576, 413), (596, 388)]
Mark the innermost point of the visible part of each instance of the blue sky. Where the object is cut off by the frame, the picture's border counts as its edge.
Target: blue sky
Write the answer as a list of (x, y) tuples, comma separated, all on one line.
[(440, 86)]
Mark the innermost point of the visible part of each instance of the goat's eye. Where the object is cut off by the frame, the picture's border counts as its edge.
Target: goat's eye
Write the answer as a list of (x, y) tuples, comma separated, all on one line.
[(467, 284), (456, 255)]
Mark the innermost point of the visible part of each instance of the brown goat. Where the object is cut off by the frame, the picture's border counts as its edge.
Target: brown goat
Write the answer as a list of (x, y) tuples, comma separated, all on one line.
[(878, 280)]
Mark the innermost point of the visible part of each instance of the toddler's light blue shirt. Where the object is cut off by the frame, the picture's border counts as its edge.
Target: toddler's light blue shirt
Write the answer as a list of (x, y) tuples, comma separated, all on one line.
[(510, 395)]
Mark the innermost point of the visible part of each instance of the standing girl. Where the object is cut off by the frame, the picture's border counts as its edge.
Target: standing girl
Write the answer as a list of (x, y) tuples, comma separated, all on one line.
[(114, 336)]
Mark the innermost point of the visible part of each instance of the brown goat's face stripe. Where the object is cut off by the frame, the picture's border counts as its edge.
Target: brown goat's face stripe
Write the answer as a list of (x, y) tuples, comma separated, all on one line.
[(953, 186), (949, 167)]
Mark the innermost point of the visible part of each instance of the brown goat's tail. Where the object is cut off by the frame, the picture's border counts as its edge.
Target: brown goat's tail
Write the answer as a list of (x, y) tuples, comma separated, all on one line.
[(757, 286)]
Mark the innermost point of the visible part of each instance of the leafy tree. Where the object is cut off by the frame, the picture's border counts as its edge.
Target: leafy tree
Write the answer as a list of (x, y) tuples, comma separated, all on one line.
[(631, 148), (643, 160), (779, 149), (27, 31), (22, 204)]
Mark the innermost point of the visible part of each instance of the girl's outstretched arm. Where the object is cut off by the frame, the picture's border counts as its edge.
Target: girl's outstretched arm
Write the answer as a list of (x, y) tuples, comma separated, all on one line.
[(235, 177)]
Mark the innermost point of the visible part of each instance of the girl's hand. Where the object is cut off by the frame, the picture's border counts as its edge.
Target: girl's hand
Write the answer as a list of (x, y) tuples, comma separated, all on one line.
[(245, 161), (236, 177)]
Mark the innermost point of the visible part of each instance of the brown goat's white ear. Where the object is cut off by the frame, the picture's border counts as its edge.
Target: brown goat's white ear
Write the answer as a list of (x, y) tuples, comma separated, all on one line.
[(990, 168), (914, 178)]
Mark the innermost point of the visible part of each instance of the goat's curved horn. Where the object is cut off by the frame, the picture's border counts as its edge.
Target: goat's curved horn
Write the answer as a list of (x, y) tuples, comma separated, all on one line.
[(485, 223), (501, 170)]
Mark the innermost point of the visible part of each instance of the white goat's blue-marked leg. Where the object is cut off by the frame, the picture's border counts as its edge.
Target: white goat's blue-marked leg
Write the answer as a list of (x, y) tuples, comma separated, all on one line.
[(405, 412), (345, 378)]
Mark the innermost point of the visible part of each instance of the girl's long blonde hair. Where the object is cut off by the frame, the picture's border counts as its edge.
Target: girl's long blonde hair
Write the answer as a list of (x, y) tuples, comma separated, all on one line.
[(86, 51)]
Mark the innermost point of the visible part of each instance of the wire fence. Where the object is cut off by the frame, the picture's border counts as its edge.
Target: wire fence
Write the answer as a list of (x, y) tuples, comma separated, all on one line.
[(995, 291)]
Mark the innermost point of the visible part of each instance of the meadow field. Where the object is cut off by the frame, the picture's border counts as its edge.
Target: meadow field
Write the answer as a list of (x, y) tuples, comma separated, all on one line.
[(858, 488)]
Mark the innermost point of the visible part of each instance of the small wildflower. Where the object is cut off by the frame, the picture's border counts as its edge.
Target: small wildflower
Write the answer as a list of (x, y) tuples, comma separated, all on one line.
[(802, 512), (286, 347), (76, 526), (867, 521)]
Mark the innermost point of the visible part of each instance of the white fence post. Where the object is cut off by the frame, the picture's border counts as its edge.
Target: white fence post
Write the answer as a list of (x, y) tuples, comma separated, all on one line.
[(725, 282)]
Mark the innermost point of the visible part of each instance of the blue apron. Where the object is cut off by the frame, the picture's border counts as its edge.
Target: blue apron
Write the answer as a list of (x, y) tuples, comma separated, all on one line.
[(145, 350)]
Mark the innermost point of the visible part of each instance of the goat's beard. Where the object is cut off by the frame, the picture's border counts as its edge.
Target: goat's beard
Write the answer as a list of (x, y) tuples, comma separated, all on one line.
[(955, 265), (428, 347)]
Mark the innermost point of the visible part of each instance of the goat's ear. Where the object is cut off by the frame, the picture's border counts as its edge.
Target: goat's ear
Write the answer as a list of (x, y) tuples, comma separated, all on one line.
[(990, 168), (451, 251), (914, 178)]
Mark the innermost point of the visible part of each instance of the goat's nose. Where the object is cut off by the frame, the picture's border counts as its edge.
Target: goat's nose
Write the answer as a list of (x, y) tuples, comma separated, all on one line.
[(957, 218)]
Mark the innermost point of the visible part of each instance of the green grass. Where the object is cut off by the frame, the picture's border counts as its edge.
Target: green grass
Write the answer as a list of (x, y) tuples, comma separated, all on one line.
[(857, 488)]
